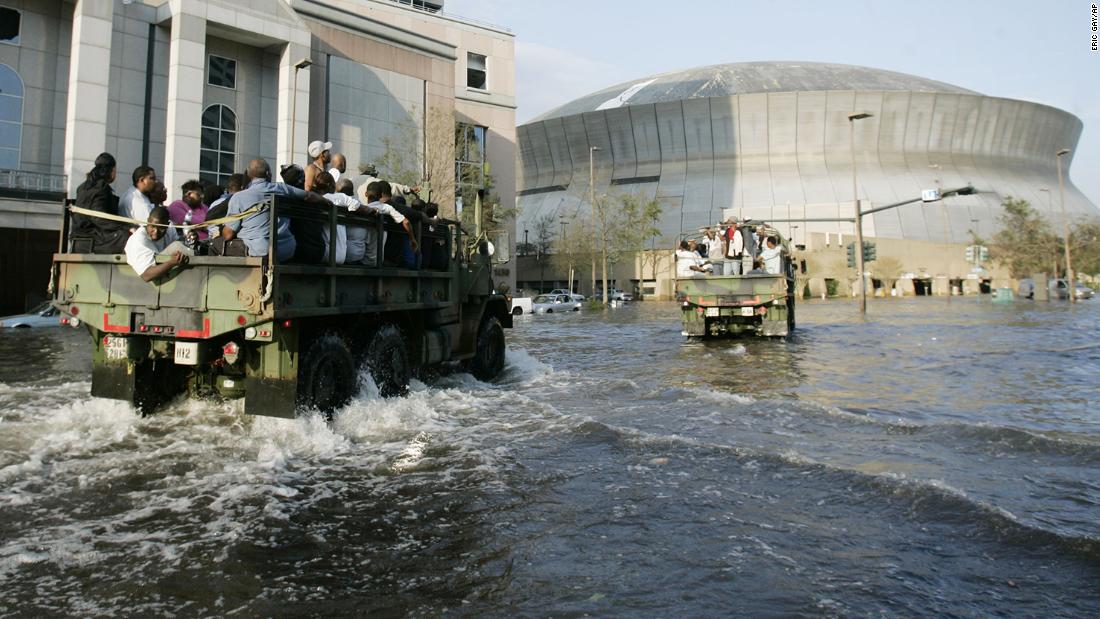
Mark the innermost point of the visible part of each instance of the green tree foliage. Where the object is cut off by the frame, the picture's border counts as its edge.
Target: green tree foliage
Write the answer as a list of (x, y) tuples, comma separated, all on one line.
[(1085, 246), (1025, 244)]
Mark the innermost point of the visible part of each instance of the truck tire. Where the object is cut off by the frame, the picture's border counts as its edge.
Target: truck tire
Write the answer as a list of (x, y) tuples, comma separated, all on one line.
[(517, 311), (790, 315), (388, 361), (488, 361), (327, 377)]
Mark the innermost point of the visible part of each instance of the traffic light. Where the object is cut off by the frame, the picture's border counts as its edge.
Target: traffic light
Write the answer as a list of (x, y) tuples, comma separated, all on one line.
[(869, 251), (970, 253), (851, 255), (983, 253)]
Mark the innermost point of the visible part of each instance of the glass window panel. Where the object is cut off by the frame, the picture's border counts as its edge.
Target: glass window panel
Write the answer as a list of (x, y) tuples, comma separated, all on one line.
[(9, 159), (208, 176), (210, 116), (229, 141), (207, 159), (9, 25), (479, 144), (209, 138), (225, 163), (9, 135), (475, 61), (229, 119), (475, 79), (223, 72), (11, 108), (10, 84)]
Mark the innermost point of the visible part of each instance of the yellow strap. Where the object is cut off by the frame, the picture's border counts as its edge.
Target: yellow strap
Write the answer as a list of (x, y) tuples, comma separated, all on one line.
[(252, 210)]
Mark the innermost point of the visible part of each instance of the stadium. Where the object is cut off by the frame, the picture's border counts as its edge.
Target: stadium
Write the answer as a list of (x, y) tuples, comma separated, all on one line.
[(773, 141)]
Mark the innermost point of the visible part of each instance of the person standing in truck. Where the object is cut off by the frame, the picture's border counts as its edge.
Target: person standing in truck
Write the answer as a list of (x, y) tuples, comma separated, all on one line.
[(735, 247), (320, 154), (339, 167), (156, 237), (135, 202), (772, 255), (101, 236)]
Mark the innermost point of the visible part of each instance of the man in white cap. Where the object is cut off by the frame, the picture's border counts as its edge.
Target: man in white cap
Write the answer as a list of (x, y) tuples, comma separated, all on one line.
[(320, 156)]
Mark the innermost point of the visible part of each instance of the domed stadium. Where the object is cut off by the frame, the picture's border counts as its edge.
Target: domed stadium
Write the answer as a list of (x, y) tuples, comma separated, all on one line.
[(773, 141)]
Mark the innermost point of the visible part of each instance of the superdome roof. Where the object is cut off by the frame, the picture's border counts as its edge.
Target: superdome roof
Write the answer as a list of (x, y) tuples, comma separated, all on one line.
[(723, 80)]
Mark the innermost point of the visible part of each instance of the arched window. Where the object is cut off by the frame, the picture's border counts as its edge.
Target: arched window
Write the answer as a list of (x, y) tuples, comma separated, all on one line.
[(219, 144), (11, 117)]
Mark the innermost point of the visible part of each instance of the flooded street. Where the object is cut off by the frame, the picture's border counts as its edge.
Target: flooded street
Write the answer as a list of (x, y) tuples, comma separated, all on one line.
[(933, 459)]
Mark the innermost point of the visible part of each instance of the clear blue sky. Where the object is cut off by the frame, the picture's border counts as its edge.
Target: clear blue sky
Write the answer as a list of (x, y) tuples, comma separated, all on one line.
[(1036, 51)]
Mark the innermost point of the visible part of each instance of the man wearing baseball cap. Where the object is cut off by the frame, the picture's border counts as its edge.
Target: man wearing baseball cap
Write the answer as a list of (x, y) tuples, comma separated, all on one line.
[(320, 156)]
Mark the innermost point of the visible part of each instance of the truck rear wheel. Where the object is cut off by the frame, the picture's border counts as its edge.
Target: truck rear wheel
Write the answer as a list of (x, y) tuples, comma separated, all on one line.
[(327, 379), (388, 361), (488, 361)]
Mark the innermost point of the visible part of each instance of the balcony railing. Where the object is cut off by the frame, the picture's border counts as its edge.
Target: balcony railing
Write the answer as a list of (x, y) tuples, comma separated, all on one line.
[(26, 184)]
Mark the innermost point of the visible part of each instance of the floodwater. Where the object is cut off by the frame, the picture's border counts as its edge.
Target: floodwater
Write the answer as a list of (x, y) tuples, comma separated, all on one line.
[(934, 459)]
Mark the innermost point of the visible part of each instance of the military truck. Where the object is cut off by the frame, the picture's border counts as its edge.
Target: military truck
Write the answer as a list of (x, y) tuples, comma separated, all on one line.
[(732, 305), (285, 337)]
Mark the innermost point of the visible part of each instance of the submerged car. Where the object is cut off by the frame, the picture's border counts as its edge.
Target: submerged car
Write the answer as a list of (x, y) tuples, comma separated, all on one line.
[(615, 294), (44, 315), (1059, 290), (551, 303)]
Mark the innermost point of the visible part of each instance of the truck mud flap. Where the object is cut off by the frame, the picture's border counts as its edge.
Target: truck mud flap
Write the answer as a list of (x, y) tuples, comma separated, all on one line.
[(114, 381), (270, 397)]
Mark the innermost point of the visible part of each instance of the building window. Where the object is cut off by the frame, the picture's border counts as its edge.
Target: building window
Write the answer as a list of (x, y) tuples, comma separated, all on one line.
[(10, 20), (469, 158), (222, 72), (11, 117), (475, 71), (219, 144)]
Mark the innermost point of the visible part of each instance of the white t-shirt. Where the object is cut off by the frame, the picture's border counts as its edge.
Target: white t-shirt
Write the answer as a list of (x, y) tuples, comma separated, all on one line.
[(141, 250), (335, 174), (714, 247), (134, 204), (736, 245), (685, 259), (772, 260), (342, 236), (386, 209)]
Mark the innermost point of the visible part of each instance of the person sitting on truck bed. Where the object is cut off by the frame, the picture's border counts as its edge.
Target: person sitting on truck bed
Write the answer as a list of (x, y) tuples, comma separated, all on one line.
[(152, 239), (309, 243), (219, 206), (356, 249), (757, 268), (688, 263), (190, 209), (96, 234), (772, 256), (254, 230), (368, 174)]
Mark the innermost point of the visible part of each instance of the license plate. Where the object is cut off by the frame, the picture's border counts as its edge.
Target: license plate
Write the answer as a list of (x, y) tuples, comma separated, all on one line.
[(748, 311), (712, 311), (117, 348), (187, 353)]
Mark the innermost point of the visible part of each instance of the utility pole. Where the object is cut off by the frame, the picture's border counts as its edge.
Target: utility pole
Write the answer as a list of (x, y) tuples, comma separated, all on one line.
[(946, 234), (525, 245), (1070, 285), (852, 118)]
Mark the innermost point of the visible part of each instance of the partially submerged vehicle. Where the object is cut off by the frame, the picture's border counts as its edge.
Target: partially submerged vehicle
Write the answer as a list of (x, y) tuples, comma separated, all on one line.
[(731, 305), (285, 337)]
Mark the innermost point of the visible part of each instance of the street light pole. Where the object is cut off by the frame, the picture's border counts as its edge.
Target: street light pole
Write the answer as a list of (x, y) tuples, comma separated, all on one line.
[(852, 118), (1050, 211), (603, 224), (946, 233), (526, 247), (1070, 285), (298, 66)]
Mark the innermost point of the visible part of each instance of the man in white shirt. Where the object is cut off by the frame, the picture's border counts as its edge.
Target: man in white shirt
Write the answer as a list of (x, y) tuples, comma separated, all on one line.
[(135, 202), (772, 256), (369, 174), (152, 239), (689, 263), (735, 247)]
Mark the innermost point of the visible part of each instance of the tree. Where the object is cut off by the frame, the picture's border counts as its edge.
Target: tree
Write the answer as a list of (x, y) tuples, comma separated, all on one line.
[(888, 269), (424, 157), (629, 226), (1025, 243), (544, 234), (1085, 246), (577, 246)]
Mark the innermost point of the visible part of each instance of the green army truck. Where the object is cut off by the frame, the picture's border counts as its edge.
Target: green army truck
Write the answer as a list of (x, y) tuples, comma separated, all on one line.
[(733, 305), (285, 337)]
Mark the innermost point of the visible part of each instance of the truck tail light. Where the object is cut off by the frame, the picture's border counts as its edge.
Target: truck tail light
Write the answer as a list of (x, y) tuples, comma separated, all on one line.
[(231, 352)]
